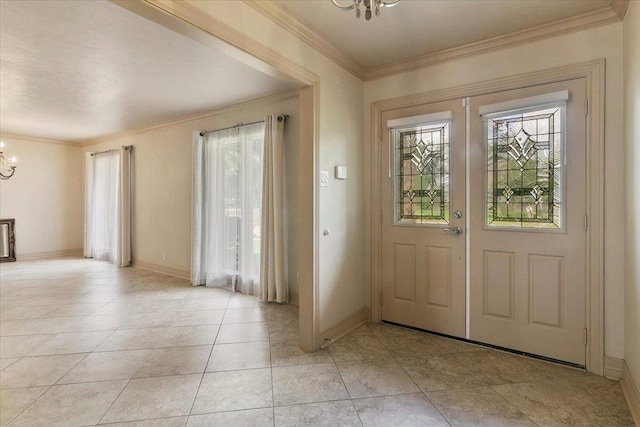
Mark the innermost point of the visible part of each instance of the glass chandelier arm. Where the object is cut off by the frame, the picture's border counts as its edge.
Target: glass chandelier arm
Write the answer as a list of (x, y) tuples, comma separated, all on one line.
[(387, 3), (350, 7)]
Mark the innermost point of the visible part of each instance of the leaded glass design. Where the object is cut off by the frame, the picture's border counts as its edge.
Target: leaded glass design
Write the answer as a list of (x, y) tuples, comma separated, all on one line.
[(524, 169), (422, 174)]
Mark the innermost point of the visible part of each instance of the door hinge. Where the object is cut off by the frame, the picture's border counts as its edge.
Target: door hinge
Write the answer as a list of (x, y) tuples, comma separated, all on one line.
[(586, 335), (381, 216), (586, 222), (586, 107), (381, 298)]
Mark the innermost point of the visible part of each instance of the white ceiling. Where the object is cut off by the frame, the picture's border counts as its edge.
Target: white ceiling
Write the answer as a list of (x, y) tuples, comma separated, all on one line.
[(78, 70), (414, 28)]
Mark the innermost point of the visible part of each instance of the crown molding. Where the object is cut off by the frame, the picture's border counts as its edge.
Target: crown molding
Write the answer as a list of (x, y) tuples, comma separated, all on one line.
[(278, 15), (44, 140), (577, 23), (614, 13), (620, 6), (266, 100)]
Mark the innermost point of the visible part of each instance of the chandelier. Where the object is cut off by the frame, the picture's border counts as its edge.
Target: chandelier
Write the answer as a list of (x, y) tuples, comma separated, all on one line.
[(7, 166), (367, 4)]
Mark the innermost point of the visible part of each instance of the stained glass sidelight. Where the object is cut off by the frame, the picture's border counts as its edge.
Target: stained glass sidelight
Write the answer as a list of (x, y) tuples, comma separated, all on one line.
[(422, 174), (524, 169)]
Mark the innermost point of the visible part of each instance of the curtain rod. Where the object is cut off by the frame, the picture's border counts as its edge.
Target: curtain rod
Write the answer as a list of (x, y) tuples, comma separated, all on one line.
[(281, 118), (126, 147)]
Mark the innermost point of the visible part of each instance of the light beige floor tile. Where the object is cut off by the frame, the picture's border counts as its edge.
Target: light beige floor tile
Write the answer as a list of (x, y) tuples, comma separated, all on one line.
[(26, 312), (589, 400), (131, 339), (358, 345), (413, 344), (183, 305), (239, 300), (553, 371), (96, 297), (38, 371), (21, 345), (245, 315), (175, 361), (51, 325), (405, 410), (199, 317), (449, 345), (70, 310), (284, 334), (198, 304), (234, 390), (243, 332), (14, 401), (36, 292), (249, 417), (496, 367), (288, 353), (71, 342), (442, 371), (98, 323), (7, 362), (477, 407), (246, 355), (71, 405), (158, 397), (158, 422), (116, 308), (307, 384), (378, 377), (6, 326), (150, 320), (337, 413), (110, 365)]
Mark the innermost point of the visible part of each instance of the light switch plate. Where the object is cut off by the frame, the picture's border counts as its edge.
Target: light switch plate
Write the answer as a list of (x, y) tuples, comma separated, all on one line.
[(324, 178), (341, 172)]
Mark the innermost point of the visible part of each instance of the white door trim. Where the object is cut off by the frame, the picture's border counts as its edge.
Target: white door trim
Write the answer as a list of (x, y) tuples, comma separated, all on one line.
[(594, 74)]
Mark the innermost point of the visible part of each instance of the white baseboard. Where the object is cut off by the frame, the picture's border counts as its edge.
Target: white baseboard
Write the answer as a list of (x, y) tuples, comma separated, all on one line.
[(631, 393), (183, 274), (48, 254), (345, 326), (613, 367)]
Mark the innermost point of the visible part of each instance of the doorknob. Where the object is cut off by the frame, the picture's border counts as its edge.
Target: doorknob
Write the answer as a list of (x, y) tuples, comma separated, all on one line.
[(455, 231)]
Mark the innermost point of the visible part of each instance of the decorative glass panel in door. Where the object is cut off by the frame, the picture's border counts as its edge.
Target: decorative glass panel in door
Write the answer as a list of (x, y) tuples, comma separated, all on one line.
[(422, 174), (524, 165)]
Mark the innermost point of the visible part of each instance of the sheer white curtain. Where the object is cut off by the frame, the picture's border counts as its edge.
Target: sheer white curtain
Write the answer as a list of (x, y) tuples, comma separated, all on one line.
[(108, 206), (273, 286), (227, 185)]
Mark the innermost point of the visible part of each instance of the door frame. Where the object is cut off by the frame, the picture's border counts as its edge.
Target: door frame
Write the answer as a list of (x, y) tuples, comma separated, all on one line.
[(594, 74)]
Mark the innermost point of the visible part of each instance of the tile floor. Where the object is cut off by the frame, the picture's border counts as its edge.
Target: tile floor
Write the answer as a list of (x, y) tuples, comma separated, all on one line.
[(85, 343)]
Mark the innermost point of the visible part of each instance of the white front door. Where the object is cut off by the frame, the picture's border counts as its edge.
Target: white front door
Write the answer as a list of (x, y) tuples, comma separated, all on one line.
[(423, 253), (523, 228), (527, 220)]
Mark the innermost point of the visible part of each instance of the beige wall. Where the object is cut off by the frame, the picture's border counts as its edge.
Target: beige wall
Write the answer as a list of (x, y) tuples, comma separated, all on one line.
[(632, 187), (162, 159), (600, 42), (45, 196)]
